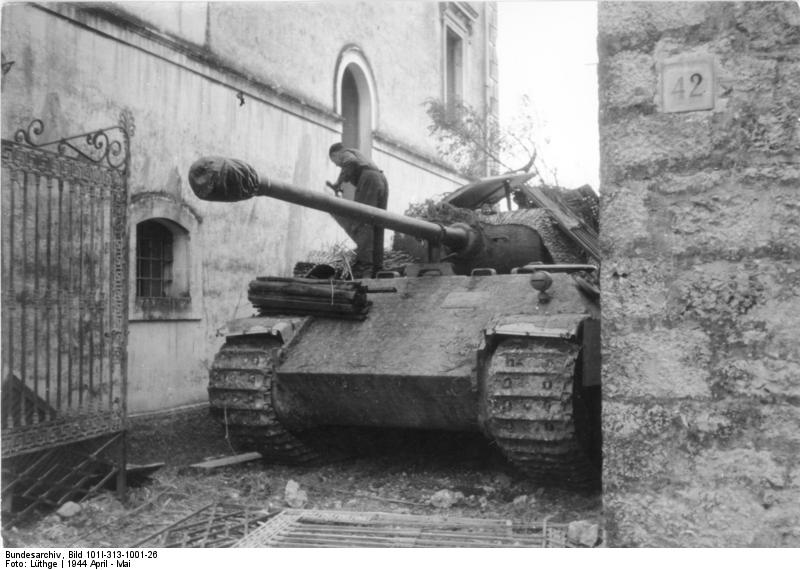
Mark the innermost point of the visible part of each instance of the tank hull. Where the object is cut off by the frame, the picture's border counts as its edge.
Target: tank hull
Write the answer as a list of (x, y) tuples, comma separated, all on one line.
[(415, 362)]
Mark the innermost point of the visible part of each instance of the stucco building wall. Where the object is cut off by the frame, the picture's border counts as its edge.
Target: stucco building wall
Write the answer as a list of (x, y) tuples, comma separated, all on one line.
[(701, 277), (179, 68)]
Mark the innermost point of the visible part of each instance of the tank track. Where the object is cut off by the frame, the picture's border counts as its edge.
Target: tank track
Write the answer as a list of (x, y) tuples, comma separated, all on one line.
[(532, 413), (240, 396)]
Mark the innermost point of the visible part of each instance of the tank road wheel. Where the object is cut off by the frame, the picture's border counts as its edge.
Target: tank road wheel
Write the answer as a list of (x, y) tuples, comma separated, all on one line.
[(240, 396), (533, 414)]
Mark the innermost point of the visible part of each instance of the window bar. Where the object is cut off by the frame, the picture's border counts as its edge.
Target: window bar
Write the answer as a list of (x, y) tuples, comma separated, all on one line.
[(36, 308), (97, 339), (48, 304), (119, 288), (113, 292), (23, 320), (80, 293), (108, 290), (91, 290), (8, 325), (69, 293), (60, 295), (101, 289)]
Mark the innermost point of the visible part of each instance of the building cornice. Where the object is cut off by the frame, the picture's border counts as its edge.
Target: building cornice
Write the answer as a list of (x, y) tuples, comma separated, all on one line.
[(111, 21)]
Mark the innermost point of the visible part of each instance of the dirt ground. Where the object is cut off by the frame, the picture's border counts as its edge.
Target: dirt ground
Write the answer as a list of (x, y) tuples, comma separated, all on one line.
[(462, 473)]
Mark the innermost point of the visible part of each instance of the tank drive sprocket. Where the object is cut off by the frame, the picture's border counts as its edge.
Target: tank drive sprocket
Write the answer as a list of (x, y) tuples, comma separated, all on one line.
[(240, 396), (534, 413)]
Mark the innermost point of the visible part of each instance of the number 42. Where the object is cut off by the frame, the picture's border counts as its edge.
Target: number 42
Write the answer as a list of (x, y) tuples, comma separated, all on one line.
[(696, 80)]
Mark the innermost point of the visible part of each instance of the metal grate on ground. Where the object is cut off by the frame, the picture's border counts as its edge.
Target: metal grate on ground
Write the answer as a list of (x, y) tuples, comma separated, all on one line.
[(341, 529), (42, 481), (216, 525)]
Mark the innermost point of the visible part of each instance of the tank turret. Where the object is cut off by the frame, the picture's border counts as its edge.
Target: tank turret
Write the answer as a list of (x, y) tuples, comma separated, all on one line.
[(467, 247)]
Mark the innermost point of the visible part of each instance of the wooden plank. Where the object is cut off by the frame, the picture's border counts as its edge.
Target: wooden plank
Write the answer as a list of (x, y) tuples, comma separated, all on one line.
[(225, 461), (326, 290)]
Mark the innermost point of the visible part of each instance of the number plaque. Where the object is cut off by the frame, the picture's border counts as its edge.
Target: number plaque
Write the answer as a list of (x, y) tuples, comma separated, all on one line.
[(687, 86)]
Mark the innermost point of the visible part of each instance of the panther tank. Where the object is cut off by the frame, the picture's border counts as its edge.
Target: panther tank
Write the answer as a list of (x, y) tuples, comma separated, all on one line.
[(488, 335)]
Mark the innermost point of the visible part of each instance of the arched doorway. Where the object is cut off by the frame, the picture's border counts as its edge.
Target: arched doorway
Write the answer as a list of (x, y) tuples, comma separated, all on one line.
[(355, 99)]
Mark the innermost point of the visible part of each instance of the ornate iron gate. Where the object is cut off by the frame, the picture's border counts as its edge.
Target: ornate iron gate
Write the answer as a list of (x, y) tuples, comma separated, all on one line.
[(64, 313)]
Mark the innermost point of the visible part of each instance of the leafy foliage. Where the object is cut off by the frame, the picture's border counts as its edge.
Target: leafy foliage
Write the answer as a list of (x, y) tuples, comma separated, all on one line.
[(435, 210), (475, 143)]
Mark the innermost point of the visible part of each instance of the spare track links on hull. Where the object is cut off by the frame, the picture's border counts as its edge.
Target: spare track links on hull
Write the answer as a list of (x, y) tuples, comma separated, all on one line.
[(240, 396), (530, 411)]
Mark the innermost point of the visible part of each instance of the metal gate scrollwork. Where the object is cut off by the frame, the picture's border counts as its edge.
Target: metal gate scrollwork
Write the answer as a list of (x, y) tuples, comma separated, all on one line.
[(64, 313)]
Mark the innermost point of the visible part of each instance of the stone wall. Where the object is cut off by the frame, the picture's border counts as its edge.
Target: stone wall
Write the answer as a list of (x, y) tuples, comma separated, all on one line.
[(701, 276)]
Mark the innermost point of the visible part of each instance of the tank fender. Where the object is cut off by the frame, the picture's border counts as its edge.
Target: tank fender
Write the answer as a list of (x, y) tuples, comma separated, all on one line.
[(574, 327), (284, 328), (562, 326)]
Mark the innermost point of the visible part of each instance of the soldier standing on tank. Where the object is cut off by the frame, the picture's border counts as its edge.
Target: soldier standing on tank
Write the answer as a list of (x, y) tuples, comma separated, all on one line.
[(371, 189)]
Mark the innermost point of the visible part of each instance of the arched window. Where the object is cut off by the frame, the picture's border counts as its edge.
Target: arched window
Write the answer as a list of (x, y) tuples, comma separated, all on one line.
[(351, 110), (161, 259), (355, 99), (165, 271)]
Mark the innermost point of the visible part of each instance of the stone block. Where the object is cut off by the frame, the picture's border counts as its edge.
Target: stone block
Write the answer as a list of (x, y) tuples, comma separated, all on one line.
[(680, 17), (684, 516), (69, 510), (773, 173), (764, 378), (631, 419), (689, 183), (644, 146), (749, 468), (294, 496), (624, 216), (638, 25), (623, 25), (638, 292), (627, 80), (584, 533), (711, 424), (693, 441), (730, 216), (726, 514), (755, 129), (644, 442), (659, 363), (788, 80), (727, 217), (445, 498), (747, 76), (626, 461), (748, 307), (782, 519), (636, 518), (769, 25), (778, 430)]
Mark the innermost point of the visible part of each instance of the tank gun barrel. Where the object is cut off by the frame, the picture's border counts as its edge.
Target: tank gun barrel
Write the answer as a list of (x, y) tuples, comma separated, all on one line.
[(219, 179)]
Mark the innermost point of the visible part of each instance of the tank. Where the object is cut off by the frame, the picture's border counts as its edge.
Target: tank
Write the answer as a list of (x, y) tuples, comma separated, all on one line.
[(488, 335), (565, 220)]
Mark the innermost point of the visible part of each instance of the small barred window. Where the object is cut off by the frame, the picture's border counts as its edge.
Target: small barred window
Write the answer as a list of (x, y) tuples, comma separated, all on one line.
[(154, 257)]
